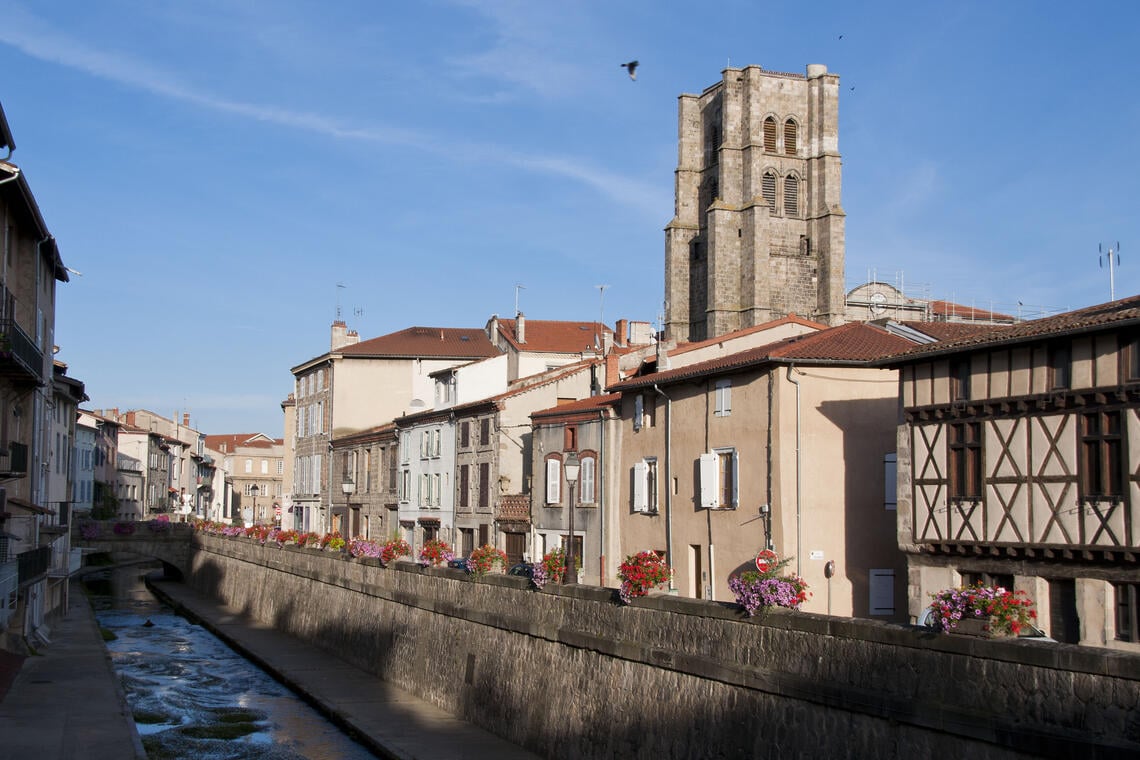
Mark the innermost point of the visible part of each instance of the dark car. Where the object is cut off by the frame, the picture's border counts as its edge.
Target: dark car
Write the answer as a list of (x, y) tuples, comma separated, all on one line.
[(459, 563), (522, 570)]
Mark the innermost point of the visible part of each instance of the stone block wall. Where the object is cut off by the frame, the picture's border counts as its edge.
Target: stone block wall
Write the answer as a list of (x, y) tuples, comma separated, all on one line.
[(566, 672)]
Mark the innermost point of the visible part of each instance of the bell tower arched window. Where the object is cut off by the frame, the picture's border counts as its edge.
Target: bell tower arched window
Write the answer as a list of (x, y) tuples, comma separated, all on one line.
[(792, 195), (791, 132), (770, 135)]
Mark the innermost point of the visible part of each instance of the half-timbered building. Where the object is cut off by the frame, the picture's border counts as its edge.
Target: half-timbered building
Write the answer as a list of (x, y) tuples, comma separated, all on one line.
[(1019, 464)]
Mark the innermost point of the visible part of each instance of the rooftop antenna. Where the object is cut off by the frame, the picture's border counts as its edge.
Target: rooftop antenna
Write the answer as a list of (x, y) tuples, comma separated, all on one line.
[(339, 286), (1113, 255), (601, 304), (518, 286)]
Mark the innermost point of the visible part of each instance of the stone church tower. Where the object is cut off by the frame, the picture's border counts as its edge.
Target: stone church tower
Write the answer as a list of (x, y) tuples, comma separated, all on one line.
[(758, 227)]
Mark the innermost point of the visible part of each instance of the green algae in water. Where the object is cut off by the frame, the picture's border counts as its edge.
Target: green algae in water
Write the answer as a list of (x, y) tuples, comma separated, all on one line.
[(224, 731), (238, 716), (151, 717), (107, 634)]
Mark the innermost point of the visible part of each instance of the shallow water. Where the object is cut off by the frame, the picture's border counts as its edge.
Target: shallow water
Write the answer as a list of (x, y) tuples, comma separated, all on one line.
[(194, 697)]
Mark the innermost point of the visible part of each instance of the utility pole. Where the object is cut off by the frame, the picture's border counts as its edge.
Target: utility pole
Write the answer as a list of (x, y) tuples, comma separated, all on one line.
[(1113, 256)]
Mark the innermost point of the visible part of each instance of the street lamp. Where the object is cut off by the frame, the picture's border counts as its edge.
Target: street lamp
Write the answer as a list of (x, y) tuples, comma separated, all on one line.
[(254, 491), (571, 467)]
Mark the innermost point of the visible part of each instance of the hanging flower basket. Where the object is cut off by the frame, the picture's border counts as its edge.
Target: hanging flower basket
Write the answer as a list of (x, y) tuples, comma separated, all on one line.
[(989, 611), (765, 587)]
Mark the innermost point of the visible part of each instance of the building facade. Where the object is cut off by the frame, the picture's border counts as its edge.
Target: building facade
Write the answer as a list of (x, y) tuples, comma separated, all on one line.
[(758, 228), (1017, 461)]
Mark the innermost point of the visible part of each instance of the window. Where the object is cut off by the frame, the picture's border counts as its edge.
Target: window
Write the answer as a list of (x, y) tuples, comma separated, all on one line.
[(770, 135), (882, 588), (484, 485), (965, 455), (890, 481), (792, 195), (280, 466), (768, 190), (960, 380), (1060, 366), (1126, 615), (485, 432), (1130, 358), (586, 476), (570, 438), (791, 130), (1101, 461), (645, 485), (405, 485), (249, 465), (464, 434), (464, 485), (405, 445), (264, 466), (553, 481), (723, 398), (719, 473), (638, 412)]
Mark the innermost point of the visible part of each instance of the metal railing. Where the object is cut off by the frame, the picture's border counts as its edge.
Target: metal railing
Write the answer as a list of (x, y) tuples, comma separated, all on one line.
[(34, 564), (15, 345), (9, 585)]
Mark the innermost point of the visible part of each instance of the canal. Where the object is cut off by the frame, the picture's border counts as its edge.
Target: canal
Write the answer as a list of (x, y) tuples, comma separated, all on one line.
[(194, 697)]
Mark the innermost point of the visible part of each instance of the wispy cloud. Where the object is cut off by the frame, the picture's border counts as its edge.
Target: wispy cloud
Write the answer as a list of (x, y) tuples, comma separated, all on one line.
[(32, 37)]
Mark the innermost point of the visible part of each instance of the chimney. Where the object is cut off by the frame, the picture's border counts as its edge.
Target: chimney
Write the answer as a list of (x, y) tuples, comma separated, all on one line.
[(613, 370), (352, 337), (520, 327), (493, 330), (662, 355), (621, 330), (339, 335), (186, 419)]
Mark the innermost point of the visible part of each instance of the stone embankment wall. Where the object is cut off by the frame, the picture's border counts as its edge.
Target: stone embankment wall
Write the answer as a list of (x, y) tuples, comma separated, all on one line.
[(566, 672)]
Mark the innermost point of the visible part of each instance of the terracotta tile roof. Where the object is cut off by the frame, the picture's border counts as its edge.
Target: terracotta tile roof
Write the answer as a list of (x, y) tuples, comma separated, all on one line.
[(1124, 311), (230, 442), (790, 319), (946, 309), (555, 337), (950, 330), (590, 404), (852, 343), (443, 342)]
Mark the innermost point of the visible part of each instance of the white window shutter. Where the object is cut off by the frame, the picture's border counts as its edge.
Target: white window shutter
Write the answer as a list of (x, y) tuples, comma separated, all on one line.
[(708, 470), (638, 412), (735, 479), (640, 487), (553, 481), (882, 591), (890, 481), (587, 478)]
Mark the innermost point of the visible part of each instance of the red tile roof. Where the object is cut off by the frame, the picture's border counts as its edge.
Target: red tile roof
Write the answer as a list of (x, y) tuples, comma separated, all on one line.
[(852, 343), (950, 330), (442, 342), (555, 337), (586, 405), (1122, 312), (229, 442), (950, 309), (790, 319)]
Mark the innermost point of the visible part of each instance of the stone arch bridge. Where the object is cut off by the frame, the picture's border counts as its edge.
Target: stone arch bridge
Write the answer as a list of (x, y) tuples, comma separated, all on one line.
[(165, 541)]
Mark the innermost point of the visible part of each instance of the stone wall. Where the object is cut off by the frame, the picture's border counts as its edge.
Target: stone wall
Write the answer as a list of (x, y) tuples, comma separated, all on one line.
[(566, 672)]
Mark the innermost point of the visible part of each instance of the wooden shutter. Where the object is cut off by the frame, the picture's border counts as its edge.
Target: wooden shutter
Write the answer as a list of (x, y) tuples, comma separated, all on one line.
[(890, 481), (709, 487), (768, 190), (587, 476), (770, 135), (790, 130), (882, 583), (638, 411), (640, 487), (553, 481), (791, 195)]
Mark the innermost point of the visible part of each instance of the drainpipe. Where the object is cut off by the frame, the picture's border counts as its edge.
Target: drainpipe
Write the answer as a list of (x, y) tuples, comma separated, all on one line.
[(600, 497), (668, 481), (799, 479)]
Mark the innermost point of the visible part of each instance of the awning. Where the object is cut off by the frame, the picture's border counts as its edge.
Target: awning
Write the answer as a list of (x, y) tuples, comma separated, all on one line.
[(35, 508)]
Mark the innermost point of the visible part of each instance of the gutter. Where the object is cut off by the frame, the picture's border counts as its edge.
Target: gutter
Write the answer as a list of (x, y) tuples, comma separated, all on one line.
[(799, 475)]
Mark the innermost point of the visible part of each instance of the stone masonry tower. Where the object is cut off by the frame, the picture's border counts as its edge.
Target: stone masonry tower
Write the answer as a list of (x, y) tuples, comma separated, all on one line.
[(758, 227)]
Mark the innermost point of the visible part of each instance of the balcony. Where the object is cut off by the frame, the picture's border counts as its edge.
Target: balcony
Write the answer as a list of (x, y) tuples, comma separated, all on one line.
[(14, 461), (34, 564), (20, 360), (9, 584)]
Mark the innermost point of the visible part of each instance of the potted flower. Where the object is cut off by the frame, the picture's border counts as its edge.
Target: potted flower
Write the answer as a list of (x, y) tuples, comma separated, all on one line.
[(980, 610), (395, 548), (363, 548), (333, 542), (641, 572), (766, 587), (483, 559), (436, 552)]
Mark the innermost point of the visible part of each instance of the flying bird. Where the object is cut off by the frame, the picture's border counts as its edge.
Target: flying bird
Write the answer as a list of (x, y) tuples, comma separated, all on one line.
[(632, 66)]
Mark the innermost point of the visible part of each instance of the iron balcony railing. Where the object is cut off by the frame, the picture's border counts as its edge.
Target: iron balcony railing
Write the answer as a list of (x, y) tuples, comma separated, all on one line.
[(9, 585), (14, 461), (17, 349), (34, 564)]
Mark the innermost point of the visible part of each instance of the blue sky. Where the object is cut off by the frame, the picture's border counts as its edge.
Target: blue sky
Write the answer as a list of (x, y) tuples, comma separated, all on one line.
[(218, 170)]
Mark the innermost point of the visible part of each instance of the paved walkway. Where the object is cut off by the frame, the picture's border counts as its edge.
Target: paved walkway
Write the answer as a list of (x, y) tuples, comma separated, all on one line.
[(66, 703), (392, 722)]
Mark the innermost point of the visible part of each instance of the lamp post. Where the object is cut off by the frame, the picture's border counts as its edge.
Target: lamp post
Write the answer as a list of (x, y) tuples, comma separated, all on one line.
[(254, 491), (571, 467), (349, 488)]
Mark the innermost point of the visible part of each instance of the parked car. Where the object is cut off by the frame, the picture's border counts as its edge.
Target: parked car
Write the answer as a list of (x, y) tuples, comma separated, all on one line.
[(459, 563), (926, 620), (522, 569)]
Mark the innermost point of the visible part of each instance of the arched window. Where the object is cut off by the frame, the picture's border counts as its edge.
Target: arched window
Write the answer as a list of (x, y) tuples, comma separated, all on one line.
[(768, 190), (770, 135), (791, 130), (792, 195), (587, 478)]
